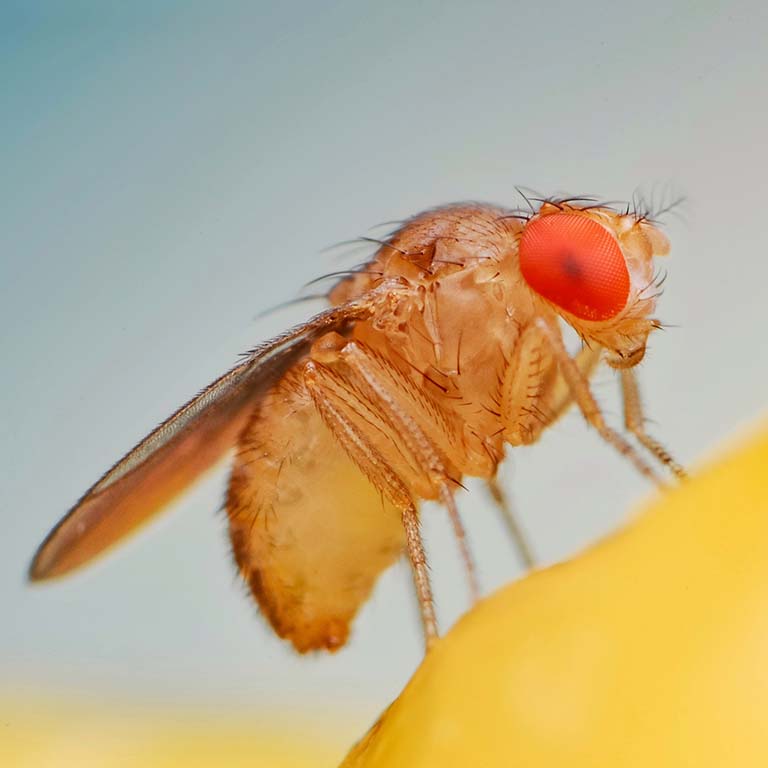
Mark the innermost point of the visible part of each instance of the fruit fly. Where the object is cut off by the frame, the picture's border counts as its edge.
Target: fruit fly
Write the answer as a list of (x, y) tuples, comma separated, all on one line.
[(443, 350)]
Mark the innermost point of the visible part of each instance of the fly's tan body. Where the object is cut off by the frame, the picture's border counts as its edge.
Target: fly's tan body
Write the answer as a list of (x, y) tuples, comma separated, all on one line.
[(432, 359), (453, 362)]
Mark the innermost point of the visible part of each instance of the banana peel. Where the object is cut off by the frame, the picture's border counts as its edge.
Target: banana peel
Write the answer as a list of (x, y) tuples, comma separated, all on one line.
[(649, 649)]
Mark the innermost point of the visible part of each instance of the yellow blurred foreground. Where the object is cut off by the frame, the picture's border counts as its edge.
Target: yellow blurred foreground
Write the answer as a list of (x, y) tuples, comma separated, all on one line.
[(649, 650), (39, 733)]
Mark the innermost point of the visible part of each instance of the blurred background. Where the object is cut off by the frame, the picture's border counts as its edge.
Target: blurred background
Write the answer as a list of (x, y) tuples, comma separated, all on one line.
[(168, 171)]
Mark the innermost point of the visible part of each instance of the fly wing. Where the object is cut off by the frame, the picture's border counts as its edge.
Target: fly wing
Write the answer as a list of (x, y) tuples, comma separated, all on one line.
[(309, 531), (177, 452)]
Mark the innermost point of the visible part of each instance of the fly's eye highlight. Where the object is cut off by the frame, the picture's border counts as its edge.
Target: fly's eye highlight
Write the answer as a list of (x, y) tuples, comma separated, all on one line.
[(575, 263)]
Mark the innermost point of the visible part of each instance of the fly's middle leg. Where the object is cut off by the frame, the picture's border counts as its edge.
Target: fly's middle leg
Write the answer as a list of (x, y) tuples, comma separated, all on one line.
[(512, 524)]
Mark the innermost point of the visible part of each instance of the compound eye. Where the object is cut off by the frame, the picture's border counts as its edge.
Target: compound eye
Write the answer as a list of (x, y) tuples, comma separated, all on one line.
[(575, 263)]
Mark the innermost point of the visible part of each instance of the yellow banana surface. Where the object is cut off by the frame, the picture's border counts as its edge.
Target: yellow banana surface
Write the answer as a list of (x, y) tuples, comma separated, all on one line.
[(648, 650)]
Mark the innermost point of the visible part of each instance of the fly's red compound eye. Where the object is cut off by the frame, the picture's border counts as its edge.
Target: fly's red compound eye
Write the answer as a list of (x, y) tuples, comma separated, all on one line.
[(575, 263)]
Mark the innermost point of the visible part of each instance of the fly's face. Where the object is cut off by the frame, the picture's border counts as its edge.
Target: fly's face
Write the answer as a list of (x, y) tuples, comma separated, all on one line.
[(595, 267)]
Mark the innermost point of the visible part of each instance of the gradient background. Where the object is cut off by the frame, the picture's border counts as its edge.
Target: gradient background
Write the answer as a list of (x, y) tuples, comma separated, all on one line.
[(170, 170)]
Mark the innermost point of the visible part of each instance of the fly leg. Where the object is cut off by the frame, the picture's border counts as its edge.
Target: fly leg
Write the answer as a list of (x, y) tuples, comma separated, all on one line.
[(392, 399), (635, 423), (320, 384), (446, 496), (534, 394), (579, 386), (516, 533), (560, 397)]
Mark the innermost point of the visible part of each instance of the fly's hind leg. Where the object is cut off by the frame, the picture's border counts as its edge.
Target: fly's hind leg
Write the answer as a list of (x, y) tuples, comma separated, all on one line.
[(635, 423), (416, 424), (410, 433), (320, 384)]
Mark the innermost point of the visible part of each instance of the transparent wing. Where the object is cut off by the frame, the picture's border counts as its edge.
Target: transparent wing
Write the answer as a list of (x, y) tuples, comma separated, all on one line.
[(178, 451)]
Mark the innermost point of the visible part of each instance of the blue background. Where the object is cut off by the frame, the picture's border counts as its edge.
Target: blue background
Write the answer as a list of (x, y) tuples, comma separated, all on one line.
[(170, 170)]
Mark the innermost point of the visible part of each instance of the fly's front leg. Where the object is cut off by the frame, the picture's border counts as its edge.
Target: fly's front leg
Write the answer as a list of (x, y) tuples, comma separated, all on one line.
[(560, 398), (325, 390), (582, 394), (534, 394), (635, 422)]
